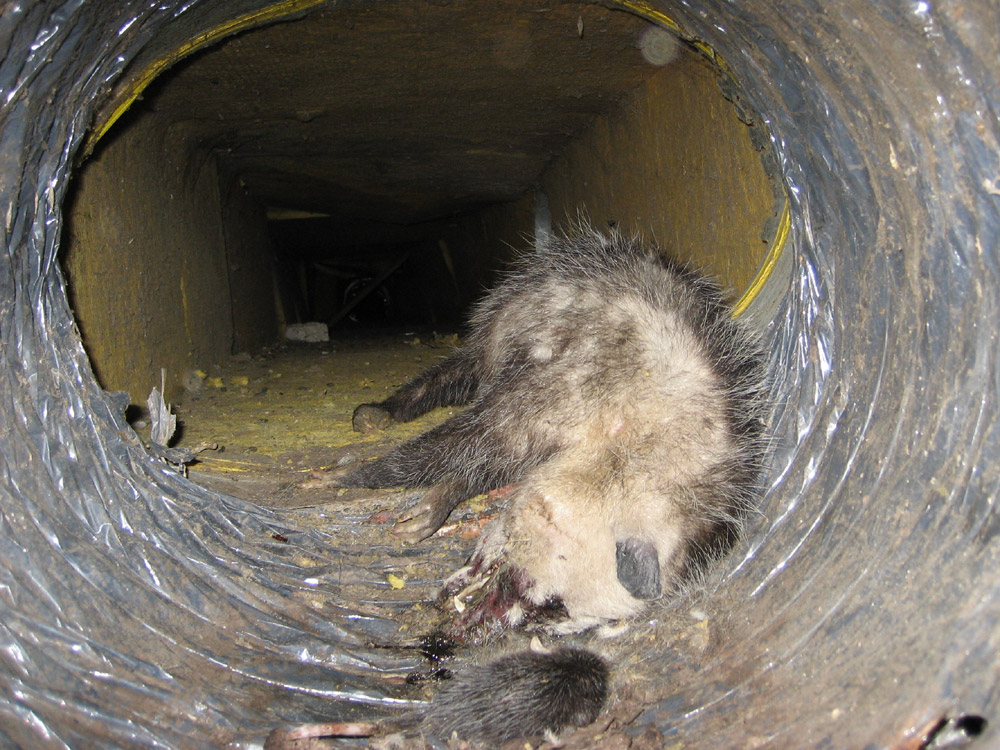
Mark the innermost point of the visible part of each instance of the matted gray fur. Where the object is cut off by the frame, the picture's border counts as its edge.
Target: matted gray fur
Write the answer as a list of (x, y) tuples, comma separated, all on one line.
[(614, 387)]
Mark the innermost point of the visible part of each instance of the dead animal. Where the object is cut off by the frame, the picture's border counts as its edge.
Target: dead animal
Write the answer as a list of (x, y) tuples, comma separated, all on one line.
[(619, 393), (616, 391)]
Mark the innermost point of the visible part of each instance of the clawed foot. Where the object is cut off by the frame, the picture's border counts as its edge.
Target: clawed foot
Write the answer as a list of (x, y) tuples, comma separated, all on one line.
[(428, 515), (370, 417), (321, 479), (417, 522)]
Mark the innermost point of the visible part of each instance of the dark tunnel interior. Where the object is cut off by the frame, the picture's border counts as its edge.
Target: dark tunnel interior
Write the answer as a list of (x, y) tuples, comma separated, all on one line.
[(397, 157)]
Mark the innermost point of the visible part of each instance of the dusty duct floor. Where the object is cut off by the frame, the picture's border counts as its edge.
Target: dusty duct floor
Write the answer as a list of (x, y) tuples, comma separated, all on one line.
[(280, 416), (282, 413), (283, 416)]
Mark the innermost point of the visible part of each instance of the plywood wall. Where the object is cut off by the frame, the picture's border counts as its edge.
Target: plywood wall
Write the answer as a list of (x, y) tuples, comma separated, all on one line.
[(146, 257), (675, 163)]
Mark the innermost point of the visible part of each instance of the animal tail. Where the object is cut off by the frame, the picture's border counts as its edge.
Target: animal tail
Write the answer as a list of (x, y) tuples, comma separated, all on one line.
[(524, 694)]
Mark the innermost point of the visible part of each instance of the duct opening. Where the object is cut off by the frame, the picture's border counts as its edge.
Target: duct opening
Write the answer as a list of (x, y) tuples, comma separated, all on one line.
[(363, 173), (376, 165)]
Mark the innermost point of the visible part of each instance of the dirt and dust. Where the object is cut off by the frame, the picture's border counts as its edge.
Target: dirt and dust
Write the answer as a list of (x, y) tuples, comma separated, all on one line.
[(282, 417), (284, 414)]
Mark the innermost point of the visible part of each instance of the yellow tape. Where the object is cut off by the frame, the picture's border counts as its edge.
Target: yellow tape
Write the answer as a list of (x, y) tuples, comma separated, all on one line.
[(201, 40), (770, 261), (647, 11), (651, 14), (784, 223)]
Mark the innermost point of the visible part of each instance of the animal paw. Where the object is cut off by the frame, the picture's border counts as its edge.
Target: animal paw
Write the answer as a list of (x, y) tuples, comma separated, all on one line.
[(421, 520), (370, 417), (429, 514), (324, 478)]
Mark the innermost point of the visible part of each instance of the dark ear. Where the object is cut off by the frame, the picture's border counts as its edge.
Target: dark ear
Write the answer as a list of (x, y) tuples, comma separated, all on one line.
[(638, 567)]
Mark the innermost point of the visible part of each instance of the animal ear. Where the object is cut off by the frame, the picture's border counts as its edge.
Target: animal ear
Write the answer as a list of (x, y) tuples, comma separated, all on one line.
[(638, 567)]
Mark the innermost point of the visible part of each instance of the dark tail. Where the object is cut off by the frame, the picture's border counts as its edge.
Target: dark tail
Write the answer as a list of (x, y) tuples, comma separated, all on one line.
[(524, 694)]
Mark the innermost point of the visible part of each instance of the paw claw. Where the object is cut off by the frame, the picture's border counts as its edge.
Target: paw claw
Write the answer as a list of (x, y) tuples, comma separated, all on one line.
[(321, 479), (370, 417), (418, 523), (409, 534)]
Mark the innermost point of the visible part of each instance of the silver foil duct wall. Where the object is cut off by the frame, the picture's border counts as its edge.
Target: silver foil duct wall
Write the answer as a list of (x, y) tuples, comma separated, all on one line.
[(135, 612)]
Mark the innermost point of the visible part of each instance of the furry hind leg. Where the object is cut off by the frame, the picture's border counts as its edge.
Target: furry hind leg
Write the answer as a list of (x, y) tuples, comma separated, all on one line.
[(459, 458), (452, 382), (443, 451)]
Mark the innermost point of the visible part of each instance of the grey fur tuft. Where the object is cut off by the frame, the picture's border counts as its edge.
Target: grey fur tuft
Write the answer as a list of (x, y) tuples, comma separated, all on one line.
[(520, 695), (619, 393)]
